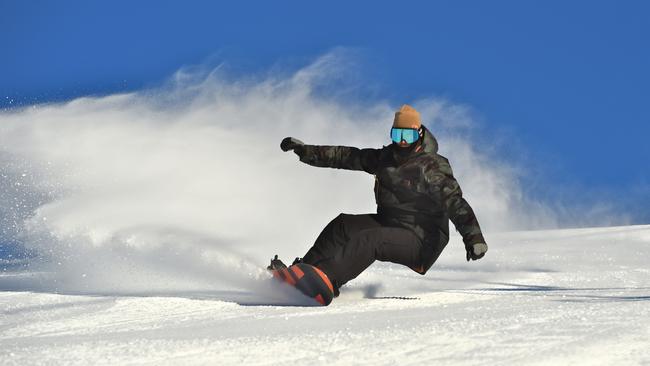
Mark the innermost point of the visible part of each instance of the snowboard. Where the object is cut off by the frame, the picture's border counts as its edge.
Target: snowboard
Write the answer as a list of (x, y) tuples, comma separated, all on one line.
[(309, 280)]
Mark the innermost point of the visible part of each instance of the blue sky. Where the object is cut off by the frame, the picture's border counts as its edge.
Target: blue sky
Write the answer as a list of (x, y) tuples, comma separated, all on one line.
[(570, 81)]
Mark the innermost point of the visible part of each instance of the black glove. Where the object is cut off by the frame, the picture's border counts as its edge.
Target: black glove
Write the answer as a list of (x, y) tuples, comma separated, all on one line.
[(292, 143), (476, 251)]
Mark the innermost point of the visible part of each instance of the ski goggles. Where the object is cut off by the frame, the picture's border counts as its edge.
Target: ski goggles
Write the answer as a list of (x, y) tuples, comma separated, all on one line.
[(410, 135)]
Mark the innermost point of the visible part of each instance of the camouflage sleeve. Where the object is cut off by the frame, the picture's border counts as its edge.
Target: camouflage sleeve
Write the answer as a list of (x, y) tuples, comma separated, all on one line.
[(340, 157), (459, 211)]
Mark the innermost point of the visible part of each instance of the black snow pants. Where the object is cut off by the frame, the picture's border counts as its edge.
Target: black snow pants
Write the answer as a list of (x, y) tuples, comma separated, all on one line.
[(351, 243)]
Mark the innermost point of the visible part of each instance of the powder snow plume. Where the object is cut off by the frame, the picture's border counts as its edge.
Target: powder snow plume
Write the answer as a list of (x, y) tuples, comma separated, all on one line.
[(184, 187)]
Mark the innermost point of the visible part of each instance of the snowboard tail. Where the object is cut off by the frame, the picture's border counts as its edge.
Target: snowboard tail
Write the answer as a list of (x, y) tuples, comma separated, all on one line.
[(309, 280)]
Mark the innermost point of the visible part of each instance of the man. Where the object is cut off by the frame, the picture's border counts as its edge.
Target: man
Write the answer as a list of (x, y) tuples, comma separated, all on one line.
[(416, 196)]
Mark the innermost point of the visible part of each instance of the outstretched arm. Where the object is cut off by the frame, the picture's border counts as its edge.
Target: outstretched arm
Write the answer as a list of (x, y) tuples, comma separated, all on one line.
[(339, 157)]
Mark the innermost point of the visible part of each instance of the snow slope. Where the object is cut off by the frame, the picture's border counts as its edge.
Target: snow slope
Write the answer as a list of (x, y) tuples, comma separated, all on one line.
[(579, 296)]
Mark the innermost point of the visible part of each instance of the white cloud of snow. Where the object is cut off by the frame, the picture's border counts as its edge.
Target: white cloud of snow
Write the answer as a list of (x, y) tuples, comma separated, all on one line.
[(185, 186)]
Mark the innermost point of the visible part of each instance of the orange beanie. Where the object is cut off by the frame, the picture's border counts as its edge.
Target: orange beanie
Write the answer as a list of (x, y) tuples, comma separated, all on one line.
[(407, 117)]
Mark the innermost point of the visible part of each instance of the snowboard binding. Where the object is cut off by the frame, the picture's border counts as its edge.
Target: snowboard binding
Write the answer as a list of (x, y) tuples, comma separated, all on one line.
[(276, 264)]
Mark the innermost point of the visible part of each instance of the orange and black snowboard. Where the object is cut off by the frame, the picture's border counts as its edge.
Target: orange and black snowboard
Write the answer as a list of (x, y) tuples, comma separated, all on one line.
[(309, 280)]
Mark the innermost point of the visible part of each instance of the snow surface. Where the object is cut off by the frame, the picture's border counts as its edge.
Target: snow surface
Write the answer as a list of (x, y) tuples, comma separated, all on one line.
[(560, 297)]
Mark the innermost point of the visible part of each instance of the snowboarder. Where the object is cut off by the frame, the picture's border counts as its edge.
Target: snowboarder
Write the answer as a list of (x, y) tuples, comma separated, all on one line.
[(416, 195)]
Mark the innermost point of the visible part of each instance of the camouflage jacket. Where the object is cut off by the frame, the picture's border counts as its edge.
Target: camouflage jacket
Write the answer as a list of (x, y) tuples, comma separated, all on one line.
[(417, 191)]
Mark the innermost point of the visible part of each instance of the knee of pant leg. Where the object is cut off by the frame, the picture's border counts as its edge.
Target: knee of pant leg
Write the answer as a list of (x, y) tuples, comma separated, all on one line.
[(342, 221), (428, 258), (336, 223), (338, 219), (341, 217), (421, 269), (406, 253)]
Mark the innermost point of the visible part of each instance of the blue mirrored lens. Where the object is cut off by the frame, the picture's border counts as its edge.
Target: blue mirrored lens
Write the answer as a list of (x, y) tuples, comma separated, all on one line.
[(396, 134), (410, 135), (407, 134)]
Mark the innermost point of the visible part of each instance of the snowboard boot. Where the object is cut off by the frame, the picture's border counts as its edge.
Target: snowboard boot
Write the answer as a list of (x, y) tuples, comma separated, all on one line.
[(335, 288), (276, 264)]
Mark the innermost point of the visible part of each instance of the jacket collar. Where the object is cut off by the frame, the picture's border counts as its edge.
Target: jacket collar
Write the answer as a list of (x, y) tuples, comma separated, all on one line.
[(429, 142)]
